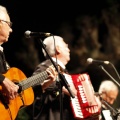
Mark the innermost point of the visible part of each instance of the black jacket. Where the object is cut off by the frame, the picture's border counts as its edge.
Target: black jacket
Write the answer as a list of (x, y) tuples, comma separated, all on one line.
[(46, 106), (3, 67)]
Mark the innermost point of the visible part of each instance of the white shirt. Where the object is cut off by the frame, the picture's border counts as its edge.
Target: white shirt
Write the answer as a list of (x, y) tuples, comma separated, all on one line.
[(59, 63), (1, 48)]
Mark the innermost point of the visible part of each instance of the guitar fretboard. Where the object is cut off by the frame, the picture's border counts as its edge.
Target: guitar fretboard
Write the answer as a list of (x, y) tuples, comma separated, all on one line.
[(34, 80)]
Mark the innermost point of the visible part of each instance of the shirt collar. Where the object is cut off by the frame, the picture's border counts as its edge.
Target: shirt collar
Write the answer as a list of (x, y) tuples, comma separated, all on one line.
[(59, 62), (1, 48)]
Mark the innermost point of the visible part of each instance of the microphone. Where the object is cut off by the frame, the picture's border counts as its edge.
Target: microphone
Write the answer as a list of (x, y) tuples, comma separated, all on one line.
[(90, 60), (29, 34)]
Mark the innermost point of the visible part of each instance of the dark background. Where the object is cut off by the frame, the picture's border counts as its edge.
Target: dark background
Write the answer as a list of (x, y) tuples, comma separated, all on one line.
[(46, 16), (59, 18), (42, 16)]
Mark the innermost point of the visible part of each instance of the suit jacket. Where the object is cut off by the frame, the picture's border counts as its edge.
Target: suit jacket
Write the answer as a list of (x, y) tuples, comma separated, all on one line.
[(3, 67), (47, 105)]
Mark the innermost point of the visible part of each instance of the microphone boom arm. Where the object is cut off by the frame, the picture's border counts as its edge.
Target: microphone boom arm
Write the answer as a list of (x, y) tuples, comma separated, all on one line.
[(109, 75)]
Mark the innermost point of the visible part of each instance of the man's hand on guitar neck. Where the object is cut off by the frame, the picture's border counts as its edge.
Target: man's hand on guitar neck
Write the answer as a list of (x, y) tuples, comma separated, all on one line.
[(10, 88), (52, 74)]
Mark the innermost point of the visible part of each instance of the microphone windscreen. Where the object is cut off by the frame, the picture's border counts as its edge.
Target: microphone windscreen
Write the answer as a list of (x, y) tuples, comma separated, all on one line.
[(89, 60), (27, 34)]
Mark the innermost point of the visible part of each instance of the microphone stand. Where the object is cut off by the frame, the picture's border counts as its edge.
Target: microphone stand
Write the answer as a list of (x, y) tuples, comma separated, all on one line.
[(115, 70), (112, 109), (62, 82), (114, 112), (109, 75)]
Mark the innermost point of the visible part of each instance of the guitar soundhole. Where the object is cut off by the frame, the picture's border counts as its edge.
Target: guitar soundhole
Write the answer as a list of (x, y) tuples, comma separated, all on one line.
[(20, 87)]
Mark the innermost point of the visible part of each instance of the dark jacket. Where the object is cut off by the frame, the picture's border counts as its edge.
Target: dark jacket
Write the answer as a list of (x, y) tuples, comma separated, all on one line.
[(3, 67), (47, 105)]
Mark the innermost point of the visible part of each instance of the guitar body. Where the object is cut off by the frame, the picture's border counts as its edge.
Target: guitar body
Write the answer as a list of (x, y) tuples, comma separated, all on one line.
[(25, 98)]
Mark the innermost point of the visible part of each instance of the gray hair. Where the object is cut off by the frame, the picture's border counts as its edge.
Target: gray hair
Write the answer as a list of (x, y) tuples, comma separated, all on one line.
[(50, 42), (3, 10), (107, 86)]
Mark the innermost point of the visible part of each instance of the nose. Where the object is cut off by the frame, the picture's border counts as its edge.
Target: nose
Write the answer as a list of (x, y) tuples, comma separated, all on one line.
[(111, 101), (68, 50), (10, 30)]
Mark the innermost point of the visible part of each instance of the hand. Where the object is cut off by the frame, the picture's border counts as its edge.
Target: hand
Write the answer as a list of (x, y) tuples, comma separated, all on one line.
[(9, 88), (98, 102), (73, 89), (52, 74), (71, 86)]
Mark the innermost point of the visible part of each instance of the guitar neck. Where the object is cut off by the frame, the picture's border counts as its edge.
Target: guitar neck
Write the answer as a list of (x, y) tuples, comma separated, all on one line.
[(34, 80)]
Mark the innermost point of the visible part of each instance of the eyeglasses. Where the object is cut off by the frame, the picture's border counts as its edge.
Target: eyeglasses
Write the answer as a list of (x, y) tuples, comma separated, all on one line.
[(9, 23)]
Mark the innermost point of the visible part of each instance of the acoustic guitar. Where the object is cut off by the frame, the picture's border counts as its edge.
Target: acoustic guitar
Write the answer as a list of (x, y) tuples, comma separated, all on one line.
[(9, 108)]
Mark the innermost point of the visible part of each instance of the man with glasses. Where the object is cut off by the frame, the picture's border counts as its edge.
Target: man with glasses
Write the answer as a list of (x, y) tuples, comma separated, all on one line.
[(5, 29), (8, 89), (9, 23)]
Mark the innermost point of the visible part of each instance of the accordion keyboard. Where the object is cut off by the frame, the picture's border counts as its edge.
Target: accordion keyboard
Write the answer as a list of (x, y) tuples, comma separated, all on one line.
[(84, 105)]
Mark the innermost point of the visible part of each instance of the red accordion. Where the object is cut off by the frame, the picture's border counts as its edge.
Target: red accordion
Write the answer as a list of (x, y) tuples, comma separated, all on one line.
[(84, 105)]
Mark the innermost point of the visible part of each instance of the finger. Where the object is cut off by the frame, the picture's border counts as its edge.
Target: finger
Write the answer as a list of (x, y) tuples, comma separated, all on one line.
[(11, 96), (52, 70), (48, 71)]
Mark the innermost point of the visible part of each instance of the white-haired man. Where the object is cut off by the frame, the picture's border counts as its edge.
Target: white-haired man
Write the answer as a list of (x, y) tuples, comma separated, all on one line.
[(47, 106), (8, 89), (5, 29), (108, 93)]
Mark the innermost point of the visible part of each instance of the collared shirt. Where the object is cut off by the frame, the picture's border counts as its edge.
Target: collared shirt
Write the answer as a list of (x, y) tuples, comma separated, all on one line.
[(1, 48), (59, 62)]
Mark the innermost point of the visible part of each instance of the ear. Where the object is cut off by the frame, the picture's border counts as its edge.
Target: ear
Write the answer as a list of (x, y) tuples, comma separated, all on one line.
[(58, 50)]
